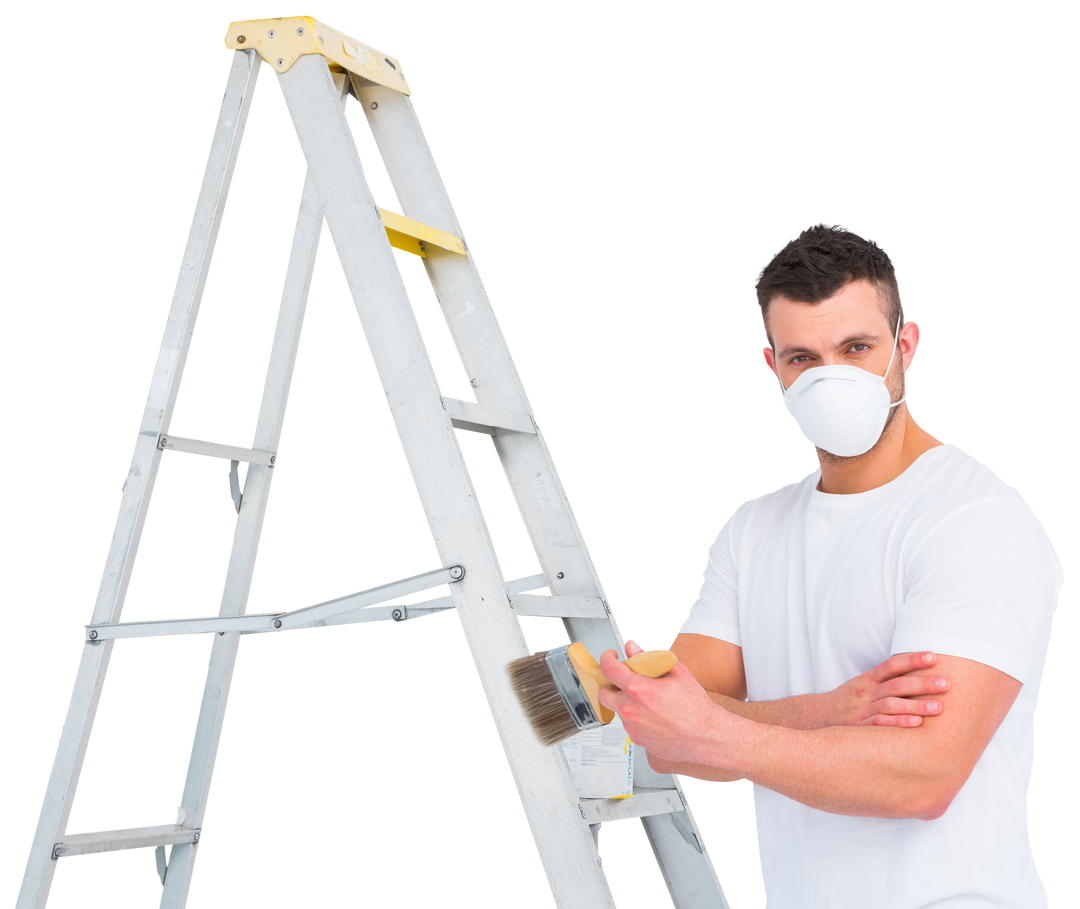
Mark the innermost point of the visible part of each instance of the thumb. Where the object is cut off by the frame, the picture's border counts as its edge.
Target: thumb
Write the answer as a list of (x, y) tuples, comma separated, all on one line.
[(632, 648)]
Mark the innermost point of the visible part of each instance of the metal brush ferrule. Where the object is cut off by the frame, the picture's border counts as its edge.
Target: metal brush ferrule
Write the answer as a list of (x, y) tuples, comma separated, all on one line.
[(570, 690)]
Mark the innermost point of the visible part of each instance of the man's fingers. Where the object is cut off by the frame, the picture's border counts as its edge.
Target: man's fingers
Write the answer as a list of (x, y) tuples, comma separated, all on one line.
[(632, 648), (904, 706), (913, 686), (907, 721), (902, 663)]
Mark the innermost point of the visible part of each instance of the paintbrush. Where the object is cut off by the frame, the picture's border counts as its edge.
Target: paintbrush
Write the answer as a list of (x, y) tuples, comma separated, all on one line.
[(559, 689)]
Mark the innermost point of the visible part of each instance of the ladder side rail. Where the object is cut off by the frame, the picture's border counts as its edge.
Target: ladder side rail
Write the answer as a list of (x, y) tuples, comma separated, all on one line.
[(530, 469), (684, 860), (246, 540), (689, 874), (135, 500), (442, 481)]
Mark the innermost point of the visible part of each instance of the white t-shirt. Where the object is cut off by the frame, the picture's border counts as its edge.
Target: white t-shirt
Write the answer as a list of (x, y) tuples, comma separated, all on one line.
[(818, 589)]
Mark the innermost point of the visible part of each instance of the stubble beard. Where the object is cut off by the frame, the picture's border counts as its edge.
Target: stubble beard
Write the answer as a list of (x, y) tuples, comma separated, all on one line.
[(895, 384)]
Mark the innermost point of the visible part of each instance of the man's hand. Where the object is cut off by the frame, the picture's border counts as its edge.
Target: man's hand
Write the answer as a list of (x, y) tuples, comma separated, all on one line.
[(672, 717), (887, 695)]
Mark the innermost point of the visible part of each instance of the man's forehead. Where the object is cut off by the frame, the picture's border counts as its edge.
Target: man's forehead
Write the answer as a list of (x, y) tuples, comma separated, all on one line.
[(856, 310)]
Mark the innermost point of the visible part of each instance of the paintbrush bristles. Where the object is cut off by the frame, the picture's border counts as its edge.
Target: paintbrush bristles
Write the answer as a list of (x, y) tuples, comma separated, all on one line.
[(540, 700)]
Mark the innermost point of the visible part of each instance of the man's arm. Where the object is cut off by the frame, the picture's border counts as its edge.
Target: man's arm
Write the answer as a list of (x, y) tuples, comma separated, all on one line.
[(860, 770), (888, 695)]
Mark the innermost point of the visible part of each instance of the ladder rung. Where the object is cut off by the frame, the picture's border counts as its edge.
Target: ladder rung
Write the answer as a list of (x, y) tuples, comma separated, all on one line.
[(478, 418), (213, 450), (131, 838), (643, 803), (400, 228), (559, 607)]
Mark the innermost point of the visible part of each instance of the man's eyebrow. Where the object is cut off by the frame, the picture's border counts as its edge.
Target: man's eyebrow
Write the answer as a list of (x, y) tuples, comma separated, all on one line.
[(847, 342)]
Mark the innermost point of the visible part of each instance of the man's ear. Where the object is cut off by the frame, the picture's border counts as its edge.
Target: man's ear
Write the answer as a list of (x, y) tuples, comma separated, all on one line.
[(910, 340), (770, 358)]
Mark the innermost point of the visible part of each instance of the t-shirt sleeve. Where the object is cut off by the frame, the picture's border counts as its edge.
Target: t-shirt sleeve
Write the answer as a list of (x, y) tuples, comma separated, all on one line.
[(981, 585), (716, 612)]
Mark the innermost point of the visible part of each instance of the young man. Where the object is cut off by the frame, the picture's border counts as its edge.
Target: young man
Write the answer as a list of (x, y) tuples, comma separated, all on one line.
[(887, 617)]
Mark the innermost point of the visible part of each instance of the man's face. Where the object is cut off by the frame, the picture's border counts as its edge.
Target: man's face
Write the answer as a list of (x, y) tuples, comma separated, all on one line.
[(848, 329)]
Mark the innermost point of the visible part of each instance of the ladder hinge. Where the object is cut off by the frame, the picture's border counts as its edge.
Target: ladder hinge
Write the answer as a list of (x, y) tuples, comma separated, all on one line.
[(281, 42)]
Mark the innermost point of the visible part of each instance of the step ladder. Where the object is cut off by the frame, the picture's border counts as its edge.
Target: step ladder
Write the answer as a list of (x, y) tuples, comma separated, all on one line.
[(318, 68)]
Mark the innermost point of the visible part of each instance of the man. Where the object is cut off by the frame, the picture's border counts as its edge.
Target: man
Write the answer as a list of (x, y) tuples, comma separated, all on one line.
[(887, 617)]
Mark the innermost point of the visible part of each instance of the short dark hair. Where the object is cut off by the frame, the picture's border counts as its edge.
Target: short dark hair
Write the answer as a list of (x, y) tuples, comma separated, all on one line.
[(820, 262)]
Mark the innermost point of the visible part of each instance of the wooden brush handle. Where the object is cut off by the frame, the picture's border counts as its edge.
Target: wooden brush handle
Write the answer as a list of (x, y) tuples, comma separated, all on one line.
[(651, 663)]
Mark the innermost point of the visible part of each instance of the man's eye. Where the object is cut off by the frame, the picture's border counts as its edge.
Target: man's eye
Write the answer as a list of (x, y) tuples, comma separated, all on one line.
[(859, 348), (801, 358)]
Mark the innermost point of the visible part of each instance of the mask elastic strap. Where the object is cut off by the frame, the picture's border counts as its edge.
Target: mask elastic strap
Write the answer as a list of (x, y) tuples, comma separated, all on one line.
[(895, 344)]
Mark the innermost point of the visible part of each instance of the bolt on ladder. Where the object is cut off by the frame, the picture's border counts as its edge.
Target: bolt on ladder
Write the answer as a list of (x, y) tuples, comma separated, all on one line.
[(318, 68)]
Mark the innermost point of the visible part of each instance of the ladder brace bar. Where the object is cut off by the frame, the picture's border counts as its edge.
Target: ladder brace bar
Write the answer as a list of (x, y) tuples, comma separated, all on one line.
[(307, 617), (478, 418)]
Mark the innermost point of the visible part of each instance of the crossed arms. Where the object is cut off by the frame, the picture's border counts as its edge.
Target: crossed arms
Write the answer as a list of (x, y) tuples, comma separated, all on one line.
[(877, 746)]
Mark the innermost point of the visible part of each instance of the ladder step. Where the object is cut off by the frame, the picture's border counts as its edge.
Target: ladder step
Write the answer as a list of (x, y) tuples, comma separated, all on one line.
[(644, 803), (559, 607), (213, 450), (130, 838), (478, 418), (407, 235)]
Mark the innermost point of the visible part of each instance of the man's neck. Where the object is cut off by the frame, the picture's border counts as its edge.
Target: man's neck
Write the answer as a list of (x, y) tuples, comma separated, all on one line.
[(899, 447)]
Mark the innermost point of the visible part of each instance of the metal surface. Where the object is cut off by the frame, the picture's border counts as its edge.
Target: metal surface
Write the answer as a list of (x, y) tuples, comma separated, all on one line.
[(570, 691), (321, 614), (530, 470), (140, 479), (564, 827)]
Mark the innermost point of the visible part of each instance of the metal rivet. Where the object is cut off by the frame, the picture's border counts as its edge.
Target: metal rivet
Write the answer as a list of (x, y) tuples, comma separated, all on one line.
[(273, 458), (277, 623), (280, 61), (240, 39), (560, 575), (93, 635), (271, 33), (397, 615), (196, 837), (299, 31), (374, 105), (457, 572)]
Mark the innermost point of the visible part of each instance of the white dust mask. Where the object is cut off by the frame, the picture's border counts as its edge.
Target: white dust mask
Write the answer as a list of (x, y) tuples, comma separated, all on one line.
[(842, 409)]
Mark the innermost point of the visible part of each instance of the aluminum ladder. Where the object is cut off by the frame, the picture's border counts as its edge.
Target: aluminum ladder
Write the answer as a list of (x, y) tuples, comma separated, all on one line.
[(319, 68)]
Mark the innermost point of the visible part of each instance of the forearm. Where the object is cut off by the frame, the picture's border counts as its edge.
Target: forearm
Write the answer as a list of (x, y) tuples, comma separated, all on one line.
[(799, 712), (863, 771), (804, 711), (698, 771)]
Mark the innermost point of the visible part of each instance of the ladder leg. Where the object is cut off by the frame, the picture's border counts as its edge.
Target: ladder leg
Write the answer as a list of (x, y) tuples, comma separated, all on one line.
[(135, 501), (246, 540), (556, 537), (442, 480)]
